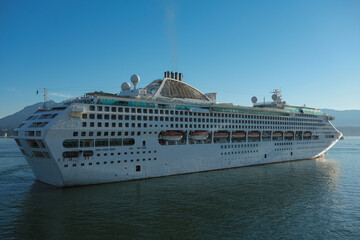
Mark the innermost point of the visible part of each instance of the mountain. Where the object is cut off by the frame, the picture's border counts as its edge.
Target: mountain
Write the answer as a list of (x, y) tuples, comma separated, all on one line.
[(344, 118), (12, 121)]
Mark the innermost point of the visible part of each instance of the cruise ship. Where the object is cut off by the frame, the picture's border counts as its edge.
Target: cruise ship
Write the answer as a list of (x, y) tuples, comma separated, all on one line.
[(166, 128)]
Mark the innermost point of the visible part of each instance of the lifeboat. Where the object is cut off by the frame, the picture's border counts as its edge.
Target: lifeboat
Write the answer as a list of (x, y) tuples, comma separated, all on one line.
[(172, 136), (307, 134), (199, 135), (221, 134), (239, 134), (289, 134), (277, 134), (253, 134)]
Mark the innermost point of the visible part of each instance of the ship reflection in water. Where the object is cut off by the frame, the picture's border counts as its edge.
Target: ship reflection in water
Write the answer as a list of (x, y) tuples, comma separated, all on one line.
[(294, 199)]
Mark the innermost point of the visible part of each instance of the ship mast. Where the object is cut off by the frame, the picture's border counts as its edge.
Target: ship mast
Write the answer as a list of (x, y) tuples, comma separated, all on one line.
[(45, 98)]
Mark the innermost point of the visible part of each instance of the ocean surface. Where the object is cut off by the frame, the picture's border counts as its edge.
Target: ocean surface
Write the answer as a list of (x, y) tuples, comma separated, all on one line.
[(310, 199)]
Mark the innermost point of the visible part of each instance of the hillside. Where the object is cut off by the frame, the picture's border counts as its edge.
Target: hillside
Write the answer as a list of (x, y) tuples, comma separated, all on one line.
[(12, 121)]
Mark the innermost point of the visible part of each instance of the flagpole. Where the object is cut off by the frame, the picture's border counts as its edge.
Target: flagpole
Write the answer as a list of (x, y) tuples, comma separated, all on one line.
[(44, 98)]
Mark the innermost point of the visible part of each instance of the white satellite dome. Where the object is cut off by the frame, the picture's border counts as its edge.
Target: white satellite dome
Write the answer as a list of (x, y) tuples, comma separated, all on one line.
[(254, 100), (135, 79), (125, 86)]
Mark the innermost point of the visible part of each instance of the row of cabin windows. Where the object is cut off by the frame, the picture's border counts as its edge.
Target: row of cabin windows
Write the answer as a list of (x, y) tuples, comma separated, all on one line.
[(137, 168), (113, 142), (191, 119), (145, 125), (38, 124), (90, 153), (33, 133), (43, 116), (176, 112), (239, 152), (99, 134)]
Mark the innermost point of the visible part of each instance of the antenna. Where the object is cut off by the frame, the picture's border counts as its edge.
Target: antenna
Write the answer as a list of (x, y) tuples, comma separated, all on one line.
[(45, 93)]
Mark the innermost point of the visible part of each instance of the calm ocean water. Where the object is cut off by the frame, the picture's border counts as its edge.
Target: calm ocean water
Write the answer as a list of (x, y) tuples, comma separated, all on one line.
[(311, 199)]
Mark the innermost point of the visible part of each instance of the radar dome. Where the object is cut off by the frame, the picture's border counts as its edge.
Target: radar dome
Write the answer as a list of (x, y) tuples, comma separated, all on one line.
[(274, 97), (125, 86), (135, 79), (254, 99)]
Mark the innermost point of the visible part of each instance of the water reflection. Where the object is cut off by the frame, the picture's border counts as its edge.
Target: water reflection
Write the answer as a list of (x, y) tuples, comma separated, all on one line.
[(272, 201)]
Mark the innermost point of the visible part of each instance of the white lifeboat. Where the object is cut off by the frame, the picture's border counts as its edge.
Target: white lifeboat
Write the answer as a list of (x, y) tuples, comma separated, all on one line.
[(289, 134), (239, 134), (172, 136), (253, 134), (221, 134), (199, 135)]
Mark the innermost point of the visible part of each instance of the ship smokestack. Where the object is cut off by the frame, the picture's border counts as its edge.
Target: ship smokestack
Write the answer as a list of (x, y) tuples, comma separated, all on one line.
[(176, 75)]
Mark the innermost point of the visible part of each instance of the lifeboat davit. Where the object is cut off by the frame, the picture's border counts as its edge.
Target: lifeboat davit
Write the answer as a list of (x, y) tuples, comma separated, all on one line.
[(172, 136), (221, 134), (199, 135), (239, 134)]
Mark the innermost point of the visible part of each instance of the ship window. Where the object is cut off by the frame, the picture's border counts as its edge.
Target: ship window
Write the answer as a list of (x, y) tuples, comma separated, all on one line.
[(120, 109), (98, 134), (92, 124), (84, 116), (99, 116), (101, 142), (92, 116), (72, 154), (71, 143), (99, 108), (106, 133), (86, 143), (128, 141), (116, 142), (46, 154), (38, 154), (99, 124), (41, 144), (84, 124), (92, 108), (138, 168), (107, 109)]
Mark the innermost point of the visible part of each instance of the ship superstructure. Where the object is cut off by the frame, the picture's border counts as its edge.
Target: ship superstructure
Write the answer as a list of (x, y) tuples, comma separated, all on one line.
[(166, 128)]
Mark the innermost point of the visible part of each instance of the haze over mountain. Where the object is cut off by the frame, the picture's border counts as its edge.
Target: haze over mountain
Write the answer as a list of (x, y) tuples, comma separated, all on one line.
[(12, 121)]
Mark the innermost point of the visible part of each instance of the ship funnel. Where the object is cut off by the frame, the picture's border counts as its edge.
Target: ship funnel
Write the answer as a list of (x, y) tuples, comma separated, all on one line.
[(174, 75)]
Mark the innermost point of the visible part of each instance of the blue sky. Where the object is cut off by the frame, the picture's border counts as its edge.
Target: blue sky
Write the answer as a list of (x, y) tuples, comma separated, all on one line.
[(308, 49)]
